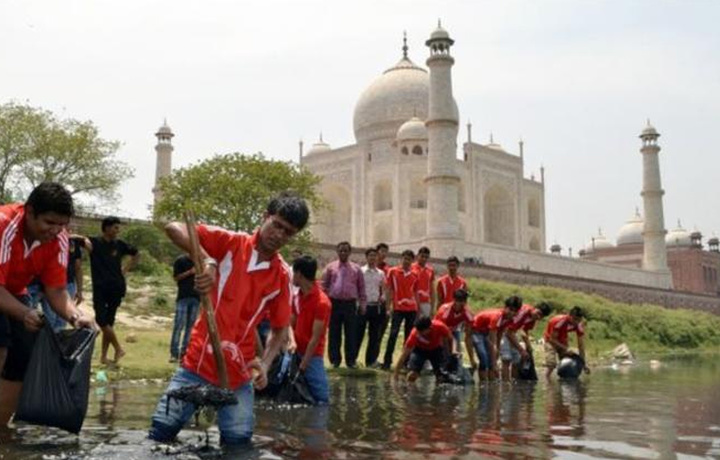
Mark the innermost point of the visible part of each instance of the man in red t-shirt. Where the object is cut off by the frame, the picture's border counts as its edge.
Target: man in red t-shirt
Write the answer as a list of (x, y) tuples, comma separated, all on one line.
[(488, 327), (511, 351), (33, 243), (402, 285), (310, 326), (426, 279), (430, 340), (556, 338), (450, 282), (458, 319), (243, 276)]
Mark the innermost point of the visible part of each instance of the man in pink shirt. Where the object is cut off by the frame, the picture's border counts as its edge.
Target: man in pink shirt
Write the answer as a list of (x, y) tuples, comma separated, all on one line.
[(344, 283)]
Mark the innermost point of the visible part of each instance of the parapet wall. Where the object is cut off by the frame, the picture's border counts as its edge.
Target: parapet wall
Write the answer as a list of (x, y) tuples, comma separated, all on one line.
[(617, 291)]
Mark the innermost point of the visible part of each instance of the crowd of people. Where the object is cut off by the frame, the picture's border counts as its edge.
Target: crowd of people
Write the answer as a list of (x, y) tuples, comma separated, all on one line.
[(262, 306)]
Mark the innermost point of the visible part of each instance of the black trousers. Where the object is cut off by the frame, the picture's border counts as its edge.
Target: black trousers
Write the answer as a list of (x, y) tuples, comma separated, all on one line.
[(374, 321), (343, 319), (397, 318)]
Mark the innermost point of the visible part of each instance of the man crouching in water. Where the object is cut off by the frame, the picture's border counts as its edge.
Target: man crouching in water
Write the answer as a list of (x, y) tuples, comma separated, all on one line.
[(430, 340), (244, 276)]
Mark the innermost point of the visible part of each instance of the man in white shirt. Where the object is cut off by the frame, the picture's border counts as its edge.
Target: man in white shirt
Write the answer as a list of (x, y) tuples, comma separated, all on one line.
[(375, 313)]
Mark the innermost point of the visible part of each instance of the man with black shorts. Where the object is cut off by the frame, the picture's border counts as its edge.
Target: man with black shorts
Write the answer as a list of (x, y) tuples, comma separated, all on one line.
[(33, 243), (108, 279)]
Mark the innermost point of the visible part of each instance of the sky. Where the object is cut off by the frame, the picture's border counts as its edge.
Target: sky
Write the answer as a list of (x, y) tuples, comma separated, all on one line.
[(576, 80)]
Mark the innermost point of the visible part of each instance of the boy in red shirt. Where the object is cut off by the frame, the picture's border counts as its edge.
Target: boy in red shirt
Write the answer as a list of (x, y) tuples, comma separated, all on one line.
[(511, 352), (310, 326), (33, 243), (430, 340), (450, 282), (402, 285), (244, 276), (556, 338), (488, 327), (458, 319), (426, 278)]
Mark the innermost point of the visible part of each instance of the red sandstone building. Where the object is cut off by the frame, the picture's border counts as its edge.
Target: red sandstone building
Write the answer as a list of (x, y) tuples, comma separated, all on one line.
[(694, 268)]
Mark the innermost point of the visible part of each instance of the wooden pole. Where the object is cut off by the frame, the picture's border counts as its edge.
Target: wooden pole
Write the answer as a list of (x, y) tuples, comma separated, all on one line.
[(205, 302)]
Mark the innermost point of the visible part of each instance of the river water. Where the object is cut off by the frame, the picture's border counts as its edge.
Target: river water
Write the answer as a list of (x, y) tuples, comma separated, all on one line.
[(668, 413)]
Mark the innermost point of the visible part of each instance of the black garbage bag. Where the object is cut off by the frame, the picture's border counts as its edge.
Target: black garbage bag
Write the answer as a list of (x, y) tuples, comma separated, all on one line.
[(56, 385), (277, 375), (570, 367), (454, 372), (295, 388), (527, 369)]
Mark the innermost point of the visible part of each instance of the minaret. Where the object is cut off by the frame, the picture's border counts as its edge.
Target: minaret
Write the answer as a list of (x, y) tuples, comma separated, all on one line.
[(163, 165), (654, 250), (442, 126)]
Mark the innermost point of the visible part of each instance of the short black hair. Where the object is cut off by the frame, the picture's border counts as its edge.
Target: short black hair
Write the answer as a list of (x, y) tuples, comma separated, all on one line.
[(461, 295), (424, 250), (577, 312), (408, 253), (306, 266), (290, 207), (423, 323), (369, 251), (51, 197), (382, 246), (514, 302), (344, 243), (453, 259), (109, 221), (544, 308)]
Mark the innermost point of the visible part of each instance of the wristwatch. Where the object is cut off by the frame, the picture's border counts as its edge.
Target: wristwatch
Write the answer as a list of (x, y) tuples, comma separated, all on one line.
[(210, 261)]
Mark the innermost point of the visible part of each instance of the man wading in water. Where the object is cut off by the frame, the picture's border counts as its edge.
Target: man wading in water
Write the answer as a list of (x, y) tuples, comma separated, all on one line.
[(244, 277)]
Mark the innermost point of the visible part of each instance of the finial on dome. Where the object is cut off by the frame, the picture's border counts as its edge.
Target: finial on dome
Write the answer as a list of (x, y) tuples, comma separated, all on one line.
[(405, 47), (439, 23), (469, 132), (679, 224), (321, 139), (521, 144), (491, 138)]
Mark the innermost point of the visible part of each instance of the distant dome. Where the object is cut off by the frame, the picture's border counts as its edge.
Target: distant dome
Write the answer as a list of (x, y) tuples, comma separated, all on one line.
[(412, 130), (439, 33), (319, 147), (164, 130), (631, 232), (678, 237), (598, 242), (714, 241), (649, 131), (394, 97), (555, 248)]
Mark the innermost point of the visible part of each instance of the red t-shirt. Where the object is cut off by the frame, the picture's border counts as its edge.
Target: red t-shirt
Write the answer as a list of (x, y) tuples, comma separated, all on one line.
[(245, 290), (452, 319), (425, 275), (313, 306), (404, 286), (563, 326), (491, 320), (384, 267), (524, 319), (447, 286), (433, 339), (19, 264)]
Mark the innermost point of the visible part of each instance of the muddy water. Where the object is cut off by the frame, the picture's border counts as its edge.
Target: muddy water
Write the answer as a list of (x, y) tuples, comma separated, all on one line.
[(673, 412)]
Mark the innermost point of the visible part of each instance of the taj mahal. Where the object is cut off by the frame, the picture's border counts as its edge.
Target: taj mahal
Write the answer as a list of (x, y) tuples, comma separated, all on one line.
[(406, 183)]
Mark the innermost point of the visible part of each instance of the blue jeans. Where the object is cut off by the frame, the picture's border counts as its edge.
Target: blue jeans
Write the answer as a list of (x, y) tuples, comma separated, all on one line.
[(186, 311), (35, 291), (482, 347), (235, 422), (317, 380)]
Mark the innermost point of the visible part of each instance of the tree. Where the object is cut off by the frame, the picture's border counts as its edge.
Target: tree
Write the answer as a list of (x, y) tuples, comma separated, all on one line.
[(233, 190), (36, 146)]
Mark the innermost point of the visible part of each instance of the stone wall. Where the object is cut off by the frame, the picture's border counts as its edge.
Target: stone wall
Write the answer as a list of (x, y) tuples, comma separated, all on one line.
[(620, 292)]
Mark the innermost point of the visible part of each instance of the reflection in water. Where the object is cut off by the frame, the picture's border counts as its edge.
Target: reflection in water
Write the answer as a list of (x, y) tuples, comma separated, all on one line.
[(643, 413)]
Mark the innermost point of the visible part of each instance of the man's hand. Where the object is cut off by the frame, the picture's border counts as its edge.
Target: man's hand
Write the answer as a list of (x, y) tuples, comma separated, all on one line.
[(292, 346), (303, 365), (32, 320), (205, 281), (78, 298), (524, 356), (84, 321), (259, 373)]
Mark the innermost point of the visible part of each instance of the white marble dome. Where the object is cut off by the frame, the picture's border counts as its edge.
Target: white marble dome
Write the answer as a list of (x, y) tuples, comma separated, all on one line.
[(631, 232), (394, 97), (678, 237), (319, 147), (412, 130), (598, 242)]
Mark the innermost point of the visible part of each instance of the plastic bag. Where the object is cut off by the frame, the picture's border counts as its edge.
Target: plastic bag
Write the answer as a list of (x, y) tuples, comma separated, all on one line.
[(276, 375), (527, 369), (295, 388), (454, 372), (570, 367), (57, 383)]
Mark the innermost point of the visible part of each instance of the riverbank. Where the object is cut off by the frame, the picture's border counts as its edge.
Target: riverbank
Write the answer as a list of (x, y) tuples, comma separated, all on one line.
[(144, 325)]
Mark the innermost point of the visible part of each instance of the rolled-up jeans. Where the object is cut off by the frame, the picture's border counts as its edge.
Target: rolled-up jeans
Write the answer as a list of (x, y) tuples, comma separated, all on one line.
[(481, 342), (234, 421)]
